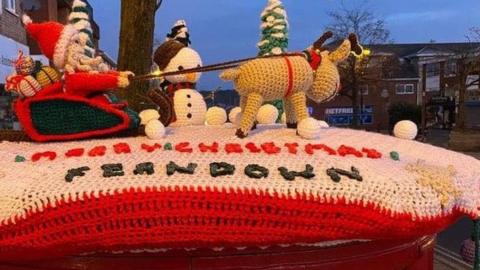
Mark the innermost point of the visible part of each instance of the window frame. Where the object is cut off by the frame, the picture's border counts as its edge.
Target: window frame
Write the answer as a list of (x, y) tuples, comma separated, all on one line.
[(365, 87), (11, 6), (404, 86)]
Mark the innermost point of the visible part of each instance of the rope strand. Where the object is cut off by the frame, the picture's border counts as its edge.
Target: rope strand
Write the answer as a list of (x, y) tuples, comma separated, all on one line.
[(214, 67)]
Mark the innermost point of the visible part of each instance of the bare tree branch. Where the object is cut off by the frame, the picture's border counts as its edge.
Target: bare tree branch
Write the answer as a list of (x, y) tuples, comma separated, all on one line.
[(359, 20), (357, 72)]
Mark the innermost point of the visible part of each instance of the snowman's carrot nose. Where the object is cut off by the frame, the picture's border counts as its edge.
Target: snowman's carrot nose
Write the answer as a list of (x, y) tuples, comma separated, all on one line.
[(191, 77)]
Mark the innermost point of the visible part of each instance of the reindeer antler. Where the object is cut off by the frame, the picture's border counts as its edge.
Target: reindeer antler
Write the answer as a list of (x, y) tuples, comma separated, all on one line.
[(356, 47), (319, 43)]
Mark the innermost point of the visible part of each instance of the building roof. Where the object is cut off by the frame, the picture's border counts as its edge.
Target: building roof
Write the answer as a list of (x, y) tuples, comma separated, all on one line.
[(409, 50)]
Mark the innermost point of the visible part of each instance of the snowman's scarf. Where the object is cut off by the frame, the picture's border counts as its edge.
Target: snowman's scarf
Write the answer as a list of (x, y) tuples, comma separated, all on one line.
[(172, 87)]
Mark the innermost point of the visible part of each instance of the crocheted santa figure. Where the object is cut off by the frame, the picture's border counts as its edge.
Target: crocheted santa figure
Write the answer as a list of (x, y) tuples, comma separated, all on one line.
[(174, 55), (81, 102)]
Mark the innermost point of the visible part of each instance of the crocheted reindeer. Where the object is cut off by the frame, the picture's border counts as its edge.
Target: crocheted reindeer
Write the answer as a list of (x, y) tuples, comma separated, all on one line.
[(290, 78)]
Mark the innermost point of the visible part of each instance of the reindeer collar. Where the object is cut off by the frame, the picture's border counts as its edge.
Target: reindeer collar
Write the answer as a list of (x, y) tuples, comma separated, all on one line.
[(313, 58)]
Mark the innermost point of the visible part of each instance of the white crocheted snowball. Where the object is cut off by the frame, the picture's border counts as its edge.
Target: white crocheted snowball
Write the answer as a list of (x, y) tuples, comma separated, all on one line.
[(235, 115), (323, 124), (283, 118), (309, 128), (268, 114), (186, 58), (147, 115), (216, 116), (155, 130), (190, 108), (405, 129)]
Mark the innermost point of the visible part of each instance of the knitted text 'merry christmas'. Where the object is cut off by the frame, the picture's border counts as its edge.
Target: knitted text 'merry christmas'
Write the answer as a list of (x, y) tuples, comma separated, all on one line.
[(203, 187)]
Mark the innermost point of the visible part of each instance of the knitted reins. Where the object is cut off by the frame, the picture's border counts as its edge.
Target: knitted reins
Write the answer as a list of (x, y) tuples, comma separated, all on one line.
[(214, 67)]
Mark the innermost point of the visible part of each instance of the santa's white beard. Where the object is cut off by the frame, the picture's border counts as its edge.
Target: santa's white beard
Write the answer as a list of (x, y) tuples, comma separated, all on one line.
[(78, 61)]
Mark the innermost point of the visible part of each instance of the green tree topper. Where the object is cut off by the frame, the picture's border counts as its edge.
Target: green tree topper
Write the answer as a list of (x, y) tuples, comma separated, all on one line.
[(274, 29), (274, 36), (80, 18)]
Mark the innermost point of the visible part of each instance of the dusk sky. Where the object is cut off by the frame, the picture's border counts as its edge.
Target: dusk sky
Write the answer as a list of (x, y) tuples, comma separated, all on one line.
[(229, 29)]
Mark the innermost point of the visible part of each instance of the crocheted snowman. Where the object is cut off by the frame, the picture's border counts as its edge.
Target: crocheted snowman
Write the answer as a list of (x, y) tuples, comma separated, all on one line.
[(175, 55)]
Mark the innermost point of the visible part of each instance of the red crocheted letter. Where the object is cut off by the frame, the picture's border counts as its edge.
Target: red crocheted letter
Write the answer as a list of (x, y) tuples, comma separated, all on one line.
[(344, 150), (205, 148), (292, 147), (271, 148), (97, 151), (372, 153), (122, 148), (49, 154), (310, 149), (151, 148), (253, 148), (183, 147), (233, 148), (76, 152)]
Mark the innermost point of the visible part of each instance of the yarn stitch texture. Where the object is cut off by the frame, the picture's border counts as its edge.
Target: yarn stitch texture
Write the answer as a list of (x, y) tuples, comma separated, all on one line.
[(44, 214)]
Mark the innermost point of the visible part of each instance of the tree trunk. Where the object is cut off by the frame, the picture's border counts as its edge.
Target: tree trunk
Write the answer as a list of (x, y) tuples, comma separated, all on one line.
[(135, 52)]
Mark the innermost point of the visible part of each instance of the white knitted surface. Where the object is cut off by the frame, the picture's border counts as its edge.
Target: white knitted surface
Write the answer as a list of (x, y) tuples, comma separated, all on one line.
[(386, 183)]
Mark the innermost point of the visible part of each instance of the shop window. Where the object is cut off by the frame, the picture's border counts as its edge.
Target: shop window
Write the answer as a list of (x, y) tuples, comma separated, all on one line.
[(404, 89)]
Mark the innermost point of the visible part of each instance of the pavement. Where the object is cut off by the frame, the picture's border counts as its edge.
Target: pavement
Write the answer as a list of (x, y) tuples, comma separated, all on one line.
[(450, 240)]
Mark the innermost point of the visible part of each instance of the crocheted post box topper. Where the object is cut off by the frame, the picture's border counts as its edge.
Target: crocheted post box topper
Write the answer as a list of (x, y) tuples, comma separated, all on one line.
[(203, 188)]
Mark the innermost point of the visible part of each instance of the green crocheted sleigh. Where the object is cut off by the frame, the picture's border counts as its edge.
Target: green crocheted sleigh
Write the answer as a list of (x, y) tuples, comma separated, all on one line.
[(62, 117)]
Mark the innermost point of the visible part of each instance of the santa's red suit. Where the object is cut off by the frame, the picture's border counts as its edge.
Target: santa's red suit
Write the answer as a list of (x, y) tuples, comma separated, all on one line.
[(79, 106)]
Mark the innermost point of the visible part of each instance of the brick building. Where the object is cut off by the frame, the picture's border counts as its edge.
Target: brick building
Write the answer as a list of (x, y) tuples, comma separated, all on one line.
[(12, 39), (402, 83)]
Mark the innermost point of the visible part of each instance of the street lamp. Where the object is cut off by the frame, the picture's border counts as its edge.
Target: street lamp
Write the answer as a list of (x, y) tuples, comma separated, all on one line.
[(360, 58)]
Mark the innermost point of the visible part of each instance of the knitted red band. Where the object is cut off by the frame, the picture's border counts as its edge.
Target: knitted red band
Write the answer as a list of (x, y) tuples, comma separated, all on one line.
[(181, 217), (290, 77)]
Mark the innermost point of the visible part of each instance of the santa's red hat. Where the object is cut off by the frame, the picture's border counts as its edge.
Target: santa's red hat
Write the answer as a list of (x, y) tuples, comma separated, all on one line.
[(52, 37)]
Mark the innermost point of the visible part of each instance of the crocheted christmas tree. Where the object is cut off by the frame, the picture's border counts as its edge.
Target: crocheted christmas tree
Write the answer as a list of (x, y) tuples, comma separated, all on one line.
[(80, 19), (274, 29), (274, 36)]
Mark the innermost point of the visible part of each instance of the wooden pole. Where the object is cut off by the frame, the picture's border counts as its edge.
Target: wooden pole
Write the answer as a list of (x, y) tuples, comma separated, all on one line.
[(355, 116), (424, 101)]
